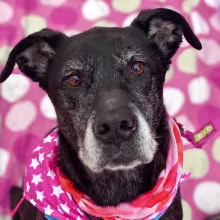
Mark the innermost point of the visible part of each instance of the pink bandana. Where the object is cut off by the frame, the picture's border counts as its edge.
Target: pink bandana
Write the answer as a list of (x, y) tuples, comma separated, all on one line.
[(52, 193)]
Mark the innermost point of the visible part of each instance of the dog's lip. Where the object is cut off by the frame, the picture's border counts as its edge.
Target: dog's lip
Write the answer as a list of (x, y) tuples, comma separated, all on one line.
[(120, 159), (130, 165), (112, 164)]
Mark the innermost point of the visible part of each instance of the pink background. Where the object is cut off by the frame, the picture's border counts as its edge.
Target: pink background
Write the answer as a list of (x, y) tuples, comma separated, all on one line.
[(191, 92)]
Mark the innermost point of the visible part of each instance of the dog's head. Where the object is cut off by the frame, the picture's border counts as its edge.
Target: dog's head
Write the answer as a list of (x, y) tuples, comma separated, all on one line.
[(106, 84)]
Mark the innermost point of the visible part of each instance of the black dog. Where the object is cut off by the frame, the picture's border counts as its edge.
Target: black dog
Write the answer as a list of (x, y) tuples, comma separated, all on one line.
[(106, 85)]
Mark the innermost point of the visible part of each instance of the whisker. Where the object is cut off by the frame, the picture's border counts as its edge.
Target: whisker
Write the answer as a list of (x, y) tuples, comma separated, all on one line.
[(158, 136)]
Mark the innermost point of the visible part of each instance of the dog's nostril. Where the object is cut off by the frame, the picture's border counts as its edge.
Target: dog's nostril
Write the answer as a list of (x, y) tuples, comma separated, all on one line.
[(127, 125), (104, 129)]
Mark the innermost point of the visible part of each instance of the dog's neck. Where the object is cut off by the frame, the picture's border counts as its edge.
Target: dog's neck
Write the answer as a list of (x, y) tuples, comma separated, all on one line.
[(109, 188)]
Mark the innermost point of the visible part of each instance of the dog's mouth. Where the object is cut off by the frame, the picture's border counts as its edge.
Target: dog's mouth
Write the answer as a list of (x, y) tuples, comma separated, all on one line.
[(122, 162), (114, 158)]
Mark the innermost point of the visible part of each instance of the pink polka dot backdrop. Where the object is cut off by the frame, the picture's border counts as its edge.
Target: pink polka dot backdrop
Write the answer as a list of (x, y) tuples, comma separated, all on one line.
[(191, 92)]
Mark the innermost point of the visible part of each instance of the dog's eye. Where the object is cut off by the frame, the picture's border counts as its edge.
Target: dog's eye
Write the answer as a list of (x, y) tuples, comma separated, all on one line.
[(137, 68), (73, 80)]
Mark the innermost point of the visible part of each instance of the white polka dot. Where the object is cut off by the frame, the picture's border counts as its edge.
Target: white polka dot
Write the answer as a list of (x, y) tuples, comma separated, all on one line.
[(127, 21), (71, 32), (105, 23), (15, 87), (93, 10), (173, 99), (187, 61), (4, 158), (214, 21), (199, 90), (20, 116), (216, 150), (207, 197), (47, 108), (53, 2), (6, 12), (200, 26), (210, 53), (169, 73), (4, 52), (126, 6), (188, 5), (196, 161), (187, 213), (213, 3), (5, 217), (33, 23)]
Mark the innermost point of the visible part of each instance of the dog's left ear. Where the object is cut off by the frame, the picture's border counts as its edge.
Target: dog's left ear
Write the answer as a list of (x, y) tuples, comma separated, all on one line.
[(165, 28), (34, 55)]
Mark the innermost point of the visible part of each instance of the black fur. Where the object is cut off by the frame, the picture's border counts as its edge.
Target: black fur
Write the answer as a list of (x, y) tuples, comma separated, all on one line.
[(102, 58)]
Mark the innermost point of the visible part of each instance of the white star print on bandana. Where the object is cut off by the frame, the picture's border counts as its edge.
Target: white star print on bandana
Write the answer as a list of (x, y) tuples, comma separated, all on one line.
[(57, 191), (40, 195), (27, 187), (36, 179), (41, 157), (37, 148), (34, 163), (48, 139), (51, 174)]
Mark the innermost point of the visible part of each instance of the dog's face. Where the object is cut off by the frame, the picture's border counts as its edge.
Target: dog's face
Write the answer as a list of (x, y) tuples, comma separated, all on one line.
[(107, 92), (106, 84)]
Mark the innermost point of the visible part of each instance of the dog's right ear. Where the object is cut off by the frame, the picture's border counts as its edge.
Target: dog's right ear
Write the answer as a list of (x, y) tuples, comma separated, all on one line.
[(164, 28), (33, 55)]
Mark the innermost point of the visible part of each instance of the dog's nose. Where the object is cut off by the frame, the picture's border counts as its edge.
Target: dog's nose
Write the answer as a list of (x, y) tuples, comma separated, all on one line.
[(115, 125)]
